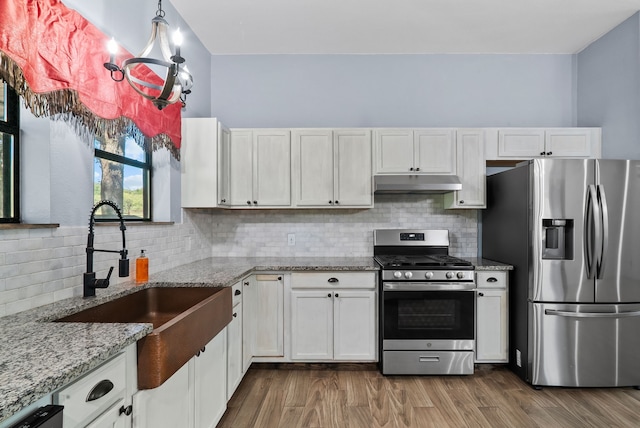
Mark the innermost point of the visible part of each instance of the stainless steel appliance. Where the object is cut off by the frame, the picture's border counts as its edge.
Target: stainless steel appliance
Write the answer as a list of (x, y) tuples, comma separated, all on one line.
[(427, 310), (570, 228)]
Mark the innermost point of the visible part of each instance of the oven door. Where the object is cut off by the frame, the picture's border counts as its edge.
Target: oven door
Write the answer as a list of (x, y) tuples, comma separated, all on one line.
[(432, 319)]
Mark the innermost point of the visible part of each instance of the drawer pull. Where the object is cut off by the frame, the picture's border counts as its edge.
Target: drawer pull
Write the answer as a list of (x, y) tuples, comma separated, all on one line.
[(237, 293), (333, 280), (429, 359), (101, 389), (492, 279)]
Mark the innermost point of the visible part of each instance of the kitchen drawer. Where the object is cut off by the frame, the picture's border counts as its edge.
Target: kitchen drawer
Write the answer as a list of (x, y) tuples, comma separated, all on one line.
[(335, 279), (491, 279), (107, 383), (236, 293)]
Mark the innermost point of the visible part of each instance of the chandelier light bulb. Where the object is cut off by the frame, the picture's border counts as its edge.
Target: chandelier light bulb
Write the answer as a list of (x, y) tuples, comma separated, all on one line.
[(177, 38), (112, 47)]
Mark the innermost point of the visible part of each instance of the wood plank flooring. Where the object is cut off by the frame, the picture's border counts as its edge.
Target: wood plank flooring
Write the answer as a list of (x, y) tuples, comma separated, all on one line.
[(356, 398)]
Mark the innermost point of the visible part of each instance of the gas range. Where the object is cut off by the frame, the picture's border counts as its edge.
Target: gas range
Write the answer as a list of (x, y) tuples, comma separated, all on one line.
[(426, 304)]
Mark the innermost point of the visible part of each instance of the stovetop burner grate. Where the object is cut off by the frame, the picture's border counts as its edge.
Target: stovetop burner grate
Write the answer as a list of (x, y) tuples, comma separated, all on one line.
[(431, 261)]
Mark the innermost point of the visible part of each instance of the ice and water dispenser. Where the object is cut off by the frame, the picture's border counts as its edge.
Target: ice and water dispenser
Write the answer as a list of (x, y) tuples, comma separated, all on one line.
[(557, 239)]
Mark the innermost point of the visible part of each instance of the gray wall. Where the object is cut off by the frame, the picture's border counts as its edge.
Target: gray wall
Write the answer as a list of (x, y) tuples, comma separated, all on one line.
[(608, 95), (393, 90)]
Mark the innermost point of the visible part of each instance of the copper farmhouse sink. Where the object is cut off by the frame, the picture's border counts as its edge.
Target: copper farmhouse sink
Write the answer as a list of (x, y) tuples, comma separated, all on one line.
[(184, 320)]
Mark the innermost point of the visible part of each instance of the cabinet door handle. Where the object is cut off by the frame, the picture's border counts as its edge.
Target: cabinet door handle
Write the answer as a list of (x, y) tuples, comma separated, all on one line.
[(255, 202), (248, 202), (330, 202), (492, 279), (542, 153), (337, 202), (329, 295), (101, 389), (461, 202), (337, 295), (246, 283), (411, 169), (235, 314), (238, 292), (417, 169), (549, 153), (279, 278), (126, 410), (333, 280), (480, 294), (223, 201)]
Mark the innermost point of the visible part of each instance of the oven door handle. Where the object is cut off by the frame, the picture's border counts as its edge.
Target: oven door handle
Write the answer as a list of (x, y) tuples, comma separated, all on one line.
[(427, 286)]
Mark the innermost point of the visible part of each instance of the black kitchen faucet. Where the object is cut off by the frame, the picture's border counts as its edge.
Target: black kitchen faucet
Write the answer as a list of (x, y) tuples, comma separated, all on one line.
[(90, 281)]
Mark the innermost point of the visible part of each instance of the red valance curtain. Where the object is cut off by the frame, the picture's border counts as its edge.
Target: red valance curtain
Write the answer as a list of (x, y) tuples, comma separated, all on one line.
[(53, 58)]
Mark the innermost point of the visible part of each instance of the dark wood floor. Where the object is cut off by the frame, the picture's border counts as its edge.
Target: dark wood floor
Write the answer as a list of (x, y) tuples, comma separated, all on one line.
[(492, 397)]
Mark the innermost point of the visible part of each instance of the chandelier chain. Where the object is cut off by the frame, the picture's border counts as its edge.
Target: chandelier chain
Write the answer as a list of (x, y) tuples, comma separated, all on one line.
[(160, 12)]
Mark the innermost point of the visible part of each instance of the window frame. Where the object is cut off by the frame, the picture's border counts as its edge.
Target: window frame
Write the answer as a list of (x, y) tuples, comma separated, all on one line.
[(147, 168), (12, 127)]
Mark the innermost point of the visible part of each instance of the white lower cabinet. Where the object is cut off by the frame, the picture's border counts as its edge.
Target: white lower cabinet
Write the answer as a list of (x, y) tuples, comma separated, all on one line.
[(112, 418), (333, 317), (263, 324), (234, 343), (492, 321), (195, 396), (96, 398)]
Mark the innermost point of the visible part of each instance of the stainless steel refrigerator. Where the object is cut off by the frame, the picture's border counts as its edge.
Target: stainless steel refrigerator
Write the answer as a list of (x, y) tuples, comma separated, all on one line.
[(571, 229)]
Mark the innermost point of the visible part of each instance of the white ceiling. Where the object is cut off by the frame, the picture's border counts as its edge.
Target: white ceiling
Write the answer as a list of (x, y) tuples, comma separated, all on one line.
[(401, 26)]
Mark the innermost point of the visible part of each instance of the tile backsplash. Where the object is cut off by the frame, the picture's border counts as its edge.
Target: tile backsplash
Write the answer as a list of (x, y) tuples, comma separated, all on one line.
[(41, 266), (338, 232)]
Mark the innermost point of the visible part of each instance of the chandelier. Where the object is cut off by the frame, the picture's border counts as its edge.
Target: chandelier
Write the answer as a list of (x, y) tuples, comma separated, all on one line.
[(177, 80)]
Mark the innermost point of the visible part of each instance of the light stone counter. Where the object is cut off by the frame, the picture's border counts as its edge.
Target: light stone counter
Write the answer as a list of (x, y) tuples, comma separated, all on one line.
[(38, 356), (488, 265)]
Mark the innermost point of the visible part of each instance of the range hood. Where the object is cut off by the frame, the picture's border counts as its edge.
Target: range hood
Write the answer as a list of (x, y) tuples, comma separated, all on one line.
[(416, 183)]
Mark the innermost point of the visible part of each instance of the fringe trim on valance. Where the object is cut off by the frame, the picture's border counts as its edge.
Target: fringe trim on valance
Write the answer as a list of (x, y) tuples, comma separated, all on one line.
[(65, 105)]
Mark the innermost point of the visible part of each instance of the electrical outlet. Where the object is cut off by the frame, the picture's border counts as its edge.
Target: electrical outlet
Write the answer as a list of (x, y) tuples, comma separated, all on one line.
[(291, 239)]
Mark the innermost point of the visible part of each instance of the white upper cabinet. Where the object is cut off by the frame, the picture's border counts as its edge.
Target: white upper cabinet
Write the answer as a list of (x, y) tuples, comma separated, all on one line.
[(435, 151), (332, 168), (529, 143), (198, 161), (394, 151), (410, 151), (471, 170), (256, 168)]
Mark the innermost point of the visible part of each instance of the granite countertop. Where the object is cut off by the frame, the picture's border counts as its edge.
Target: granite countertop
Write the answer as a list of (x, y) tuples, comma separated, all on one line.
[(39, 356), (488, 265)]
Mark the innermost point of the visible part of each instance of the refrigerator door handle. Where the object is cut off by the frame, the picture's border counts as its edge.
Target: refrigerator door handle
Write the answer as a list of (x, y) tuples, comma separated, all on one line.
[(604, 244), (591, 228), (592, 314)]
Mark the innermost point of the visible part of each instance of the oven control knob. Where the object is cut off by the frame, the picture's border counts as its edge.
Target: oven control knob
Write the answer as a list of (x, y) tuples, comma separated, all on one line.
[(428, 275), (408, 274), (449, 275), (460, 275), (397, 274)]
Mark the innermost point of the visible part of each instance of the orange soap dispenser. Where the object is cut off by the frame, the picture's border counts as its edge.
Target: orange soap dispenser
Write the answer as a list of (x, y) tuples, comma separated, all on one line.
[(142, 268)]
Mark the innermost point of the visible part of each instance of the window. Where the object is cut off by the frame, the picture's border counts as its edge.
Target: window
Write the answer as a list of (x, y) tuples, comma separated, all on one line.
[(122, 174), (9, 143)]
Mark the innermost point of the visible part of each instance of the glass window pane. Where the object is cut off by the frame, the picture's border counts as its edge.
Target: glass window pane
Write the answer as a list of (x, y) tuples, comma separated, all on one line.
[(122, 184), (7, 197), (133, 151), (3, 104)]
